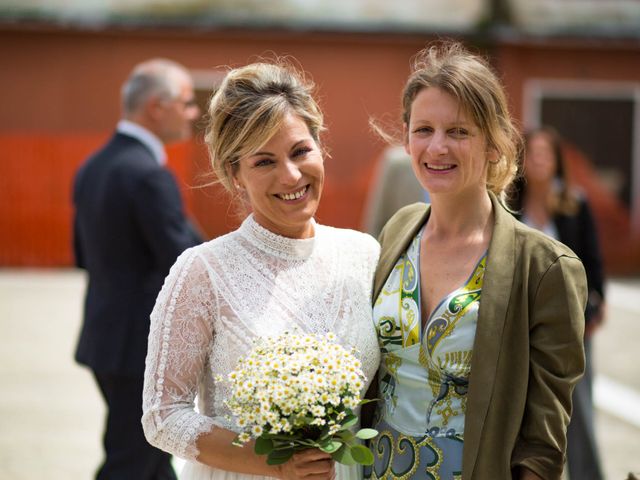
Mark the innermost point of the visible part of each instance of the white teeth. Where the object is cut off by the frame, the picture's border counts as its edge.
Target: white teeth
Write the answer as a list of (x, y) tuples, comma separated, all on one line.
[(439, 167), (293, 196)]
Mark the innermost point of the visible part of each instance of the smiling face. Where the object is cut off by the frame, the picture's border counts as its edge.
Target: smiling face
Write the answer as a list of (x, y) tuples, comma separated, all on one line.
[(283, 180), (448, 151)]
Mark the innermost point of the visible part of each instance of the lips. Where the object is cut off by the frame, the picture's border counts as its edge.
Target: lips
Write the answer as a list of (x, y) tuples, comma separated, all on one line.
[(293, 195)]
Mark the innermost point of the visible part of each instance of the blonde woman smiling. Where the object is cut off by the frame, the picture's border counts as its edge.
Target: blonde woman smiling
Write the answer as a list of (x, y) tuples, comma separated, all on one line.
[(279, 271)]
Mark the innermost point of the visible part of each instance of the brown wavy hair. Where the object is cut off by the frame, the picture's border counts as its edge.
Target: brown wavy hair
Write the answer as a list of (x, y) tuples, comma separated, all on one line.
[(469, 78)]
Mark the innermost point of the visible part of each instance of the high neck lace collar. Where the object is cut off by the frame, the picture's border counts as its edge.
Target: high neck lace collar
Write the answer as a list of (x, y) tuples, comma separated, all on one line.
[(274, 244)]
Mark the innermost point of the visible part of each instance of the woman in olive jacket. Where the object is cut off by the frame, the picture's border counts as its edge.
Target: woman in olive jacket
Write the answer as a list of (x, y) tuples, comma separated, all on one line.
[(480, 319)]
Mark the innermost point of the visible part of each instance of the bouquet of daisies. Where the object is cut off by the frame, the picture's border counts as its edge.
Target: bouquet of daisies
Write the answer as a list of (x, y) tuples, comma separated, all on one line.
[(294, 392)]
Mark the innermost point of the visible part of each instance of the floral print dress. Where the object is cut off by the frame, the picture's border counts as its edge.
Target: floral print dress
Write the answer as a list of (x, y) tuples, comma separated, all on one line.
[(424, 373)]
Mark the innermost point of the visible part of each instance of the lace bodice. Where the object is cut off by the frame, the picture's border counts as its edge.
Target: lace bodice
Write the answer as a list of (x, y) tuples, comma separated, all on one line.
[(222, 294)]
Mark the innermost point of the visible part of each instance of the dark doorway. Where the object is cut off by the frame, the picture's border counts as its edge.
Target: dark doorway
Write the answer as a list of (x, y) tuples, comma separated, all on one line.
[(603, 130)]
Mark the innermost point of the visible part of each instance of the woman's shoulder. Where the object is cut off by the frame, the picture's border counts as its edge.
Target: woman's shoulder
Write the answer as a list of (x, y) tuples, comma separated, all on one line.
[(195, 263), (352, 238), (535, 242), (528, 240), (534, 255), (409, 213), (205, 251), (407, 218)]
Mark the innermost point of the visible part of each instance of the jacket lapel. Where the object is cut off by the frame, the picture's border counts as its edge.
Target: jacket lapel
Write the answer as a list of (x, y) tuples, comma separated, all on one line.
[(395, 239), (497, 285), (496, 289)]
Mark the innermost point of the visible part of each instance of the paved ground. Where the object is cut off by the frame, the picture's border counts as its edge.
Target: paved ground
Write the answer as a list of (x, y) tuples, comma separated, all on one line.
[(51, 414)]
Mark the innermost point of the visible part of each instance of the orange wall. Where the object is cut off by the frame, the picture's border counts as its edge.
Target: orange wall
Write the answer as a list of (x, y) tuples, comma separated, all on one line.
[(64, 102), (36, 176), (568, 60), (35, 201), (61, 102)]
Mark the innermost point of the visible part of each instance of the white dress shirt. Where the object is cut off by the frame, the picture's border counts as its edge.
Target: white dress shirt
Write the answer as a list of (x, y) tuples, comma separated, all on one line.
[(148, 139)]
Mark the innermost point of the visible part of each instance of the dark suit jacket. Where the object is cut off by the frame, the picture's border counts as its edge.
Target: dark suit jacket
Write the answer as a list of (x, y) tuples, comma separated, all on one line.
[(129, 228), (528, 351)]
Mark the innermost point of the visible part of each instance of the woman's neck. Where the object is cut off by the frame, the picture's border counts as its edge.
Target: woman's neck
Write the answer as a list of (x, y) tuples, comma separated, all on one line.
[(453, 217), (536, 204)]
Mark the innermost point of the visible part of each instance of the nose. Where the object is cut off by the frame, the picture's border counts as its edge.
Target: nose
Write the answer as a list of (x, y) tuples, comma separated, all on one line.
[(437, 144), (289, 173)]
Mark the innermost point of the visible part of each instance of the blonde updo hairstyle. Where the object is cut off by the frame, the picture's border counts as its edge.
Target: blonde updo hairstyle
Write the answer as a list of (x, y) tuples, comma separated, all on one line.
[(249, 107), (469, 79)]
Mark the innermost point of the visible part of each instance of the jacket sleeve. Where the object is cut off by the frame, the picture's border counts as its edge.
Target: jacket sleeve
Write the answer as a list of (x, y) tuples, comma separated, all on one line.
[(78, 253), (556, 359), (159, 210)]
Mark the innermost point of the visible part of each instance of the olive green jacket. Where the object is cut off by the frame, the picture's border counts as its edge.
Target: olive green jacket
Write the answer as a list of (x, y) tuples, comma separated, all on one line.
[(528, 351)]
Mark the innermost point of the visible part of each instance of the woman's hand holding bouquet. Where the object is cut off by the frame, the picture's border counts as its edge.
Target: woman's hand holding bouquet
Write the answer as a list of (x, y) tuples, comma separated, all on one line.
[(295, 392)]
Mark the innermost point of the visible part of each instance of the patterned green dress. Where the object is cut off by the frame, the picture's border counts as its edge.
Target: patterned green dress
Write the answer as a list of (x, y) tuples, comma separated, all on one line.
[(423, 376)]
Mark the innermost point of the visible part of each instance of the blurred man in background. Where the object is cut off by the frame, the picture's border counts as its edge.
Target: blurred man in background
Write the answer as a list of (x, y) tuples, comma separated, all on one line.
[(129, 229)]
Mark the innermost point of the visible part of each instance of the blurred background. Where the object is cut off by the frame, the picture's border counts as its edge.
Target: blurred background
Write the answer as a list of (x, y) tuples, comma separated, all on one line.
[(572, 64)]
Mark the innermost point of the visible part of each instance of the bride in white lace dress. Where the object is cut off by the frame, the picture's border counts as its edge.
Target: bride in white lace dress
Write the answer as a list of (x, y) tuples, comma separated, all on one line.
[(280, 270)]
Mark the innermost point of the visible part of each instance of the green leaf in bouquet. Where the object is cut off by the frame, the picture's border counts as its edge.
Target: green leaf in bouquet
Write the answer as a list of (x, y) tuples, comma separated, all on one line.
[(349, 421), (302, 442), (366, 433), (285, 444), (331, 446), (278, 457), (263, 446), (346, 436), (343, 456), (279, 436), (364, 401), (362, 455), (324, 438)]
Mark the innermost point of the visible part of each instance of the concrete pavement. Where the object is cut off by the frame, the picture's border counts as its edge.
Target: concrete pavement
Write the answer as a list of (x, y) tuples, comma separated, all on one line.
[(51, 414)]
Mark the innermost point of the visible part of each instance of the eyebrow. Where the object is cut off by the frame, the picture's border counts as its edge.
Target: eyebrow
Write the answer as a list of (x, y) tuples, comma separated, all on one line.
[(457, 123), (272, 155)]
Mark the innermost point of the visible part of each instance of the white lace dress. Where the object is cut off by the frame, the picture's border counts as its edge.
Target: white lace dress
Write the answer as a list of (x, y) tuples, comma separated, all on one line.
[(222, 294)]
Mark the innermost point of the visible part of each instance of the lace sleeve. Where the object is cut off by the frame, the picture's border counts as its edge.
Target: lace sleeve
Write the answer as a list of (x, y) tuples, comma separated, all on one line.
[(180, 338)]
